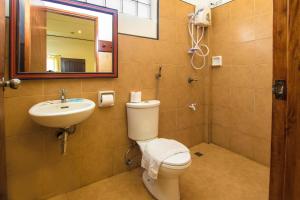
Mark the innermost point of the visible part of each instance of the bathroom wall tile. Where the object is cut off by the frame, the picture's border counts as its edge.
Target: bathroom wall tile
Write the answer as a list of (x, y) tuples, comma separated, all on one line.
[(27, 88), (168, 99), (127, 71), (72, 86), (168, 121), (246, 47), (221, 135), (222, 76), (96, 166), (242, 99), (120, 135), (262, 151), (242, 76), (31, 146), (27, 185), (221, 115), (244, 53), (119, 165), (18, 122), (220, 96), (61, 176), (263, 26), (263, 75), (167, 9), (184, 135), (242, 144), (167, 54), (220, 15), (241, 9), (126, 52), (144, 51), (263, 6), (262, 51), (181, 33), (243, 30), (148, 76), (167, 30), (242, 121), (95, 85)]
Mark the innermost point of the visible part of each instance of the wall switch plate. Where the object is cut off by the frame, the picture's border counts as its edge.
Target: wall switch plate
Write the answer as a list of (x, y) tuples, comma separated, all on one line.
[(216, 61)]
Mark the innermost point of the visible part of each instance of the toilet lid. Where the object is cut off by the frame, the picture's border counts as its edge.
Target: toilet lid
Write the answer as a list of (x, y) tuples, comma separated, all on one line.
[(179, 159)]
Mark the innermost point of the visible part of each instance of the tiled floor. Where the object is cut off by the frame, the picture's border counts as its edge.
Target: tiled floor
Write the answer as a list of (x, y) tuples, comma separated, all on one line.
[(217, 175)]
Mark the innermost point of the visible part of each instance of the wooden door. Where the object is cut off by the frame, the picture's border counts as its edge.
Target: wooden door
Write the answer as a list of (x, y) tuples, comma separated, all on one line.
[(285, 158), (72, 65), (2, 62)]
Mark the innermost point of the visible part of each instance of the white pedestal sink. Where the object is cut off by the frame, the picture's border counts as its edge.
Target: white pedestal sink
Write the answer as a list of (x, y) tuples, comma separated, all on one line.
[(62, 115)]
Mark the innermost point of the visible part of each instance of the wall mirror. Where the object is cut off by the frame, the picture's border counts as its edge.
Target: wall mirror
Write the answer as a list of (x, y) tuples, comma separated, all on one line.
[(62, 39)]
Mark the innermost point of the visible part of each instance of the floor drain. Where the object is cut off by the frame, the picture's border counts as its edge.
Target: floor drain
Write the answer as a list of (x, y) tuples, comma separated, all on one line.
[(199, 154)]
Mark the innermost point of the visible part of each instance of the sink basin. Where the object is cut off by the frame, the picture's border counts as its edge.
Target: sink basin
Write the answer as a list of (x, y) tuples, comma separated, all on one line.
[(62, 115)]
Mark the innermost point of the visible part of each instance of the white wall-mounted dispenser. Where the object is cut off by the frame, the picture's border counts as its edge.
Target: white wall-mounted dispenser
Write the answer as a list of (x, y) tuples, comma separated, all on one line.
[(202, 16), (106, 98)]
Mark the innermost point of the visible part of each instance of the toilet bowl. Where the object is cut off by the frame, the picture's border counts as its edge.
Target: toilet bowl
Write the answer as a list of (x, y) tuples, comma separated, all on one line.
[(166, 186), (143, 121)]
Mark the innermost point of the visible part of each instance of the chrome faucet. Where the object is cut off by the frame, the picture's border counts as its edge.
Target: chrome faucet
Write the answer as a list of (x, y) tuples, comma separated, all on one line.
[(63, 96)]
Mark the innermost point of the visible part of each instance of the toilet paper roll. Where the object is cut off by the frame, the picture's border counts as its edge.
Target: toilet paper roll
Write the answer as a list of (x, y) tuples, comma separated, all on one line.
[(107, 100), (135, 97)]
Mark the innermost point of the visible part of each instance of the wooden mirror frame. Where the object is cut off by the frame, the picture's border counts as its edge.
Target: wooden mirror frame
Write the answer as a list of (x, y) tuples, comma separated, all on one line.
[(37, 75)]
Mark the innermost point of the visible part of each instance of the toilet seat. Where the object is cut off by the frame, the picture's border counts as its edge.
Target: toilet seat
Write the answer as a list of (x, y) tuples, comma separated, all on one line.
[(180, 160)]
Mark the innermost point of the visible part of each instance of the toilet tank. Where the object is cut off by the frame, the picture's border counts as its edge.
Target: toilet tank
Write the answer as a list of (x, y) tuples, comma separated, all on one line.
[(142, 119)]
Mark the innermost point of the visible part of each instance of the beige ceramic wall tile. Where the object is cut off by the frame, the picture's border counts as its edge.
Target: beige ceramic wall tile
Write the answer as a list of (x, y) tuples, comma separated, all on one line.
[(263, 6), (262, 51), (242, 99), (61, 176), (96, 166), (17, 120), (263, 26), (72, 86), (220, 96), (242, 144), (243, 30), (27, 88), (221, 135), (241, 9), (244, 53), (262, 151), (24, 153), (248, 52), (26, 186)]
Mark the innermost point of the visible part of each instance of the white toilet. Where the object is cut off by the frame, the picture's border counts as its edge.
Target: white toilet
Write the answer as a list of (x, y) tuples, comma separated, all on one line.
[(143, 127)]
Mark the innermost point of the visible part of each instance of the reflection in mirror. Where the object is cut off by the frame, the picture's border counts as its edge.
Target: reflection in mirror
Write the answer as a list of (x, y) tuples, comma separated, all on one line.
[(64, 39)]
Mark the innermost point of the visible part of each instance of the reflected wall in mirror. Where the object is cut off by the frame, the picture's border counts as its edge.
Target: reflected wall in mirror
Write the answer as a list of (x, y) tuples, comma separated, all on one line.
[(62, 39)]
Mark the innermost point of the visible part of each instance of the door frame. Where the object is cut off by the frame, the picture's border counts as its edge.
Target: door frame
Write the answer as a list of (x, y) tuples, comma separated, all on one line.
[(286, 59), (3, 182)]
